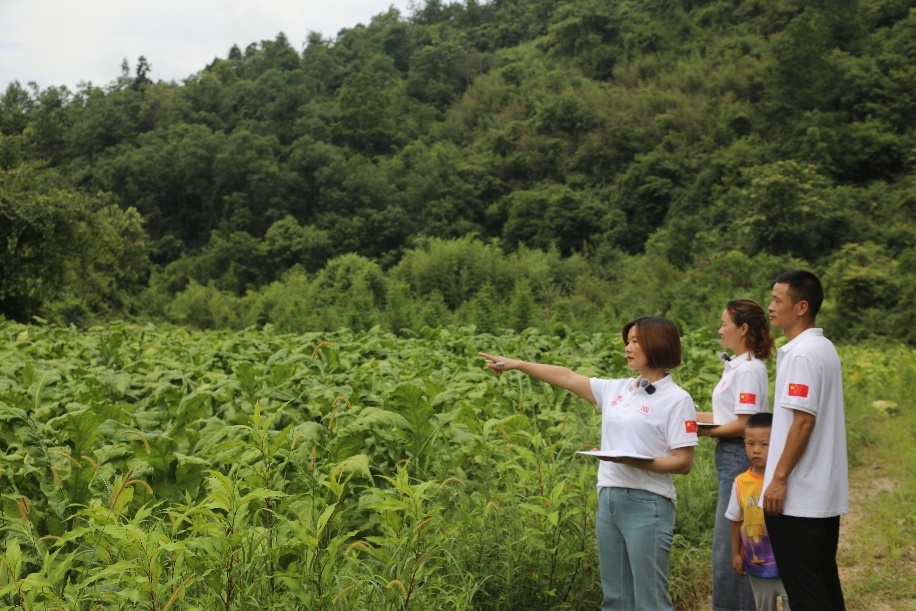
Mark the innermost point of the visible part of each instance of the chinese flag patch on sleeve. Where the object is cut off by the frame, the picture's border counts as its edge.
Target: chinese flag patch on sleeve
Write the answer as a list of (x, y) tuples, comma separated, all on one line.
[(798, 390), (747, 397), (691, 426)]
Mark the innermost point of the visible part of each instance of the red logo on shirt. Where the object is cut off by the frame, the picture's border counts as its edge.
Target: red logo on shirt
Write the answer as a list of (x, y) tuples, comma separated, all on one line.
[(617, 400), (747, 397), (645, 409), (798, 390), (691, 426)]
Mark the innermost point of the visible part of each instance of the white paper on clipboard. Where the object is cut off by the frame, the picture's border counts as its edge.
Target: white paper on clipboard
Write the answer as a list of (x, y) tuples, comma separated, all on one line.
[(615, 454)]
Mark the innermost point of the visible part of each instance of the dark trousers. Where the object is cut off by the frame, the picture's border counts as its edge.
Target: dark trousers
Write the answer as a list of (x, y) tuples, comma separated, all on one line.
[(805, 550)]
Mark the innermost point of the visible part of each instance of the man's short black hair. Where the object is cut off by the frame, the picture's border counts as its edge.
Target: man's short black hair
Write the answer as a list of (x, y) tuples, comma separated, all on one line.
[(803, 286)]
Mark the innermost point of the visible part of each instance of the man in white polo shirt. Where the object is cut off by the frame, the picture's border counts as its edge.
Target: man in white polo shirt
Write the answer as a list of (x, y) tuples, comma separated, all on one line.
[(806, 486)]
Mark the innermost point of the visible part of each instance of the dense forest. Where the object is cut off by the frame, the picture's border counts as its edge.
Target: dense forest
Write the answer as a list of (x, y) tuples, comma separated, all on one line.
[(505, 164)]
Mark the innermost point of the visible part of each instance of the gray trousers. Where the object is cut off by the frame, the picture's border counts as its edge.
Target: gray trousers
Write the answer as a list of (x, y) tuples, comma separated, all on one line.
[(766, 591)]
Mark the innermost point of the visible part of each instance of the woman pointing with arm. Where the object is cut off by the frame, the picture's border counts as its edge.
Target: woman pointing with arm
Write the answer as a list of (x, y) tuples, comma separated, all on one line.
[(648, 415)]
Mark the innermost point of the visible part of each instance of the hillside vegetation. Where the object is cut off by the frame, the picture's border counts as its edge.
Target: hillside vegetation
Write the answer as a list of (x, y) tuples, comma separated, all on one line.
[(510, 163)]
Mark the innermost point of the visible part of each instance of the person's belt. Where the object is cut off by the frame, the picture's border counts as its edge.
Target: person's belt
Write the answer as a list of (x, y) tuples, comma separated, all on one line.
[(731, 440)]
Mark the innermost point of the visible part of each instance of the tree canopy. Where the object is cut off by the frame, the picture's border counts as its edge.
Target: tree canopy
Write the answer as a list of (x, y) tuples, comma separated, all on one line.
[(671, 131)]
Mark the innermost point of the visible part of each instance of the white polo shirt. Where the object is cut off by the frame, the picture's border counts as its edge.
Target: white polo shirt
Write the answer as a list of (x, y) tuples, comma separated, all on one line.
[(809, 379), (743, 389), (632, 420)]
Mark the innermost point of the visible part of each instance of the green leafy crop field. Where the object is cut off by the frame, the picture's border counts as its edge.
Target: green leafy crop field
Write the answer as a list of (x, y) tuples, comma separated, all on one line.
[(160, 468)]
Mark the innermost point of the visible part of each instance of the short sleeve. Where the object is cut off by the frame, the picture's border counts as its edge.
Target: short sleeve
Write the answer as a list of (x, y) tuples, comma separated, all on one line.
[(605, 391), (682, 424), (801, 386), (750, 392), (733, 511)]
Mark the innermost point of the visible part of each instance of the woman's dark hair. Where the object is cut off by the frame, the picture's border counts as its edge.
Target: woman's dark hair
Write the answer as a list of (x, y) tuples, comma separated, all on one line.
[(759, 340), (803, 286), (659, 339)]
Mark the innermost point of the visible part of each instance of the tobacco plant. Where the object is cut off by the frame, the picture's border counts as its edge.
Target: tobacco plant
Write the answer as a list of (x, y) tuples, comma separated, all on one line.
[(164, 469)]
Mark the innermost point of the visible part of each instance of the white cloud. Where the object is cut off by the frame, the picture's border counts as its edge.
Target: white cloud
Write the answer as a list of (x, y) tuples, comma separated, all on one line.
[(63, 42)]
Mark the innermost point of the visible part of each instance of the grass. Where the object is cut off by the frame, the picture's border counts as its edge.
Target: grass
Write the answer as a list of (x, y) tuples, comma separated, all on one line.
[(877, 555), (878, 545)]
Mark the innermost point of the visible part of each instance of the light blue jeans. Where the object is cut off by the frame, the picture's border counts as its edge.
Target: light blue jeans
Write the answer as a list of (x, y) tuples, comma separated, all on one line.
[(635, 529), (729, 592)]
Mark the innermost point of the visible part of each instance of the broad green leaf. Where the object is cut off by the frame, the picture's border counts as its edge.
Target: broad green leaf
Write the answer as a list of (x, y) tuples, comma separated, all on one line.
[(507, 425), (534, 508), (389, 505), (324, 517), (189, 470), (260, 494), (119, 382), (357, 464), (371, 417), (13, 558)]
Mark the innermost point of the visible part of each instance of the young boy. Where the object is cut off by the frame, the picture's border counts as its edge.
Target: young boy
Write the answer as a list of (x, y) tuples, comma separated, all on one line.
[(751, 551)]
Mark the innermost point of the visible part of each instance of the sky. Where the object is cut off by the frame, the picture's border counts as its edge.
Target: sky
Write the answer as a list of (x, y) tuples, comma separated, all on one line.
[(64, 42)]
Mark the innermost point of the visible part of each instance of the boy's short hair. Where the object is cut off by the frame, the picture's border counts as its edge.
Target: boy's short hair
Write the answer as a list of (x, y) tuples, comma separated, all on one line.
[(659, 339), (803, 286), (760, 420)]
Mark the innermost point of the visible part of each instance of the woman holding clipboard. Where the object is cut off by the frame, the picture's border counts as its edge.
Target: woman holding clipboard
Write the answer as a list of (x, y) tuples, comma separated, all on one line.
[(741, 392), (648, 416)]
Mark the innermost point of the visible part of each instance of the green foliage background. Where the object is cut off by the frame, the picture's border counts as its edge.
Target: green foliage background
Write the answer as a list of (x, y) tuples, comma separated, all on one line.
[(502, 164)]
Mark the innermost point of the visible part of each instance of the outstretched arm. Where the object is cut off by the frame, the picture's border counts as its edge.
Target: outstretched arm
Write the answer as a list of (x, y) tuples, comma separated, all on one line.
[(555, 375)]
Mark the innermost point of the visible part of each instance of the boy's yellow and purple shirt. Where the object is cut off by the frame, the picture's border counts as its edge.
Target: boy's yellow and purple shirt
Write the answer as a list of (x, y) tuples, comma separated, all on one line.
[(746, 505)]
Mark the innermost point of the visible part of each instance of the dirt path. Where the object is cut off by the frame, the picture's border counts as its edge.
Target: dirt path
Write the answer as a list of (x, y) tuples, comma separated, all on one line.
[(862, 556)]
